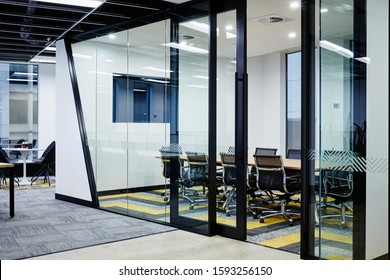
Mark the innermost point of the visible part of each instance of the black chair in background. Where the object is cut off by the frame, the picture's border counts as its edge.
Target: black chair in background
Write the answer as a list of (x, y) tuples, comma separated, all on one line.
[(16, 154), (229, 181), (338, 185), (3, 172), (168, 155), (47, 163), (259, 151), (271, 177), (265, 151), (195, 175), (294, 153)]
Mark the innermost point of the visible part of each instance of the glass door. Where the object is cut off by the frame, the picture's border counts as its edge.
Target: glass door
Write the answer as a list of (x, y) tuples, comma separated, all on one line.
[(229, 39)]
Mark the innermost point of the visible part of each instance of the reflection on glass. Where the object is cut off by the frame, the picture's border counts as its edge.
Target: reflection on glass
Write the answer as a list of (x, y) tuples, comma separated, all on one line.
[(337, 135), (226, 69), (18, 105)]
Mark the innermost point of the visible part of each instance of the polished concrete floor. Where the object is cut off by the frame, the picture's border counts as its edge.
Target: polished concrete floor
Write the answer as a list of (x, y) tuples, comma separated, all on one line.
[(174, 245)]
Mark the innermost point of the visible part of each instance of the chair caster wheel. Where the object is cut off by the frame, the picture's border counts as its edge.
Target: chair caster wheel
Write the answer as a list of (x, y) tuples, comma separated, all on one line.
[(228, 215), (191, 207), (290, 223), (262, 221)]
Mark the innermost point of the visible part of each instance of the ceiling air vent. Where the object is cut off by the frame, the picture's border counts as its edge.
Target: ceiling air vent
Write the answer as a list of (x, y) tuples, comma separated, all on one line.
[(269, 19)]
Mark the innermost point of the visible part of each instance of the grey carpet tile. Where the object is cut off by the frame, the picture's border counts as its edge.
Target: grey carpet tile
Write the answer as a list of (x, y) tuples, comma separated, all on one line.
[(43, 225)]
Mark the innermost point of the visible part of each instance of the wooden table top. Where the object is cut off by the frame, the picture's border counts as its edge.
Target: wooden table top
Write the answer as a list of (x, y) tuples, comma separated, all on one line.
[(6, 165)]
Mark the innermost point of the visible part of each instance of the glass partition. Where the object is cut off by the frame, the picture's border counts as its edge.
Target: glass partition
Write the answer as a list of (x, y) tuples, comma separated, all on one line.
[(339, 130), (144, 92), (18, 106), (226, 116)]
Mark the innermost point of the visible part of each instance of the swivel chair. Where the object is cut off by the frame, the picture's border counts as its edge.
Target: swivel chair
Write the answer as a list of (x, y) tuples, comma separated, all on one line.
[(271, 176), (338, 185)]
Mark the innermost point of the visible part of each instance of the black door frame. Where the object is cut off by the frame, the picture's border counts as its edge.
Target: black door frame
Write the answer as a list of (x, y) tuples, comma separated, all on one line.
[(241, 117)]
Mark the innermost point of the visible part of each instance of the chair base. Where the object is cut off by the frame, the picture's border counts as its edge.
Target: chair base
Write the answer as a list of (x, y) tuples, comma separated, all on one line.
[(286, 213), (45, 171), (342, 215)]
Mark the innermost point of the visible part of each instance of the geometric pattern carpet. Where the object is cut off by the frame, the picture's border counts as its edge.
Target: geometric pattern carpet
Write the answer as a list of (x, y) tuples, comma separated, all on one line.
[(335, 242), (43, 225)]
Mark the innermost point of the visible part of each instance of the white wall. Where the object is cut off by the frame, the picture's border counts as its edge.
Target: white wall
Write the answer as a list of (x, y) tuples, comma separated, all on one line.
[(46, 105), (266, 102), (377, 214), (123, 154), (71, 173)]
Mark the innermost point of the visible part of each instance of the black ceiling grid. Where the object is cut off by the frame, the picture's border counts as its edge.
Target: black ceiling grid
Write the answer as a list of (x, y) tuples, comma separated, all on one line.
[(27, 27)]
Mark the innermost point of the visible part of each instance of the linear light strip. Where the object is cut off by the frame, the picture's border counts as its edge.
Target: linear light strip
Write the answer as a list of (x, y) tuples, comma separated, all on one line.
[(79, 3)]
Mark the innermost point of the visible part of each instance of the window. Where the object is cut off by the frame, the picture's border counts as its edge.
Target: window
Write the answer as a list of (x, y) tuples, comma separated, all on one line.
[(140, 99), (18, 103), (293, 140)]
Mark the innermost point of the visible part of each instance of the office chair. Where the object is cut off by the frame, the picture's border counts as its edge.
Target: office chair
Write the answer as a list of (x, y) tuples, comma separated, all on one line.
[(16, 154), (339, 186), (271, 176), (294, 153), (252, 181), (195, 175), (3, 172), (168, 154), (229, 181), (47, 163), (265, 151)]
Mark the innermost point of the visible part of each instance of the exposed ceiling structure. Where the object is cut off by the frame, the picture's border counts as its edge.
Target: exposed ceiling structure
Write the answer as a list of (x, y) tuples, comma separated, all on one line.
[(28, 27)]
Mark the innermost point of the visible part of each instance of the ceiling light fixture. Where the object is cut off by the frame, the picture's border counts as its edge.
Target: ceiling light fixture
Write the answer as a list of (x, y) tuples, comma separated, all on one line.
[(294, 5), (292, 35), (80, 3), (324, 10), (187, 48)]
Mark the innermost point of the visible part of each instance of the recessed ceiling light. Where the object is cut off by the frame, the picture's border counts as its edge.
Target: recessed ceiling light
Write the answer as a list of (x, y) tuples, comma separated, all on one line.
[(229, 27), (80, 3), (294, 5), (111, 36), (292, 35), (324, 10)]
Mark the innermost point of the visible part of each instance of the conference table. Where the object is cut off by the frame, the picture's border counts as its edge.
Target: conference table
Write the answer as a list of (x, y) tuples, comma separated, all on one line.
[(10, 166), (24, 152), (288, 163)]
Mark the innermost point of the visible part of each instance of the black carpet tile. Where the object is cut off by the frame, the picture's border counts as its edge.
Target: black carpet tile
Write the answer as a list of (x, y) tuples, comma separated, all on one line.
[(43, 225)]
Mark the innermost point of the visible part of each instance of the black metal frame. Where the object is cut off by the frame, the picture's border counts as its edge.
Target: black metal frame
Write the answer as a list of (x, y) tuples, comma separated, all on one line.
[(81, 123), (308, 128)]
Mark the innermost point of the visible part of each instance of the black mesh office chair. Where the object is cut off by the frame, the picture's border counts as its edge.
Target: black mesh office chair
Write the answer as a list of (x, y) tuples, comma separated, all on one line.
[(252, 180), (47, 163), (338, 185), (196, 175), (169, 153), (229, 181), (294, 153), (4, 172), (271, 176), (265, 151)]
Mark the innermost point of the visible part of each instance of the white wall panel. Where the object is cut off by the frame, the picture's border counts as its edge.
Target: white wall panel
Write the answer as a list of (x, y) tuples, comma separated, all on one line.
[(46, 105), (71, 173), (377, 219)]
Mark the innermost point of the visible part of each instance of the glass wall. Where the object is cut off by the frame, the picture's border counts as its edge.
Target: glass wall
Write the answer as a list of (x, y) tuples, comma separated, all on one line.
[(353, 153), (337, 131), (144, 93), (18, 105)]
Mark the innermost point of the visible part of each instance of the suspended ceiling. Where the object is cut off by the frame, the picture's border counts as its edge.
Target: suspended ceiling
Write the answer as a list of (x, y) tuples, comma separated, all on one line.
[(27, 27)]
